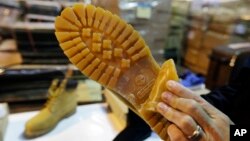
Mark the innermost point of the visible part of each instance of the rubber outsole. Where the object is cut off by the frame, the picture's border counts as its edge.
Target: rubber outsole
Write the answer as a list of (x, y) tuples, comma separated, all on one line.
[(108, 50)]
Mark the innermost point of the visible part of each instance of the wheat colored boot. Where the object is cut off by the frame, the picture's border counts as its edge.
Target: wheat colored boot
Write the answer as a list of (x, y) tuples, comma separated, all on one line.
[(60, 104), (108, 50)]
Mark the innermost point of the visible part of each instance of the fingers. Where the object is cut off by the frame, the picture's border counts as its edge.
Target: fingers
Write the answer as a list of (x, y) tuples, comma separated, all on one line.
[(181, 91), (188, 106), (175, 134), (183, 125), (183, 121)]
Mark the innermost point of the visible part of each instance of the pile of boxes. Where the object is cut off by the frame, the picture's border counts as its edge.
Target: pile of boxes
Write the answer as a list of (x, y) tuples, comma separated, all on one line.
[(210, 28), (151, 20)]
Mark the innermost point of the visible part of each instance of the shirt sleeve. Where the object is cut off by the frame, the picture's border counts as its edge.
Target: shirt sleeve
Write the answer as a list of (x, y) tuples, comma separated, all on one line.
[(222, 98)]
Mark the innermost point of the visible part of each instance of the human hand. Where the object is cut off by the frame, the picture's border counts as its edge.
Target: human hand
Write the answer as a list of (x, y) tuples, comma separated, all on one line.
[(188, 111)]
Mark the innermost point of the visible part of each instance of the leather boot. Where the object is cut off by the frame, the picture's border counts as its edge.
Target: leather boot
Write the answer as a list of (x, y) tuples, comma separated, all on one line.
[(60, 104)]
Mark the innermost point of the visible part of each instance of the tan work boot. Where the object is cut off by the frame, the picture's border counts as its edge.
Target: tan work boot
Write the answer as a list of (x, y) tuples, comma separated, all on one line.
[(108, 50), (60, 104)]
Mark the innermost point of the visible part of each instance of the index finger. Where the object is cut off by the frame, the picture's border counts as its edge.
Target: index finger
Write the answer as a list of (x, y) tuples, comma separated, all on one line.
[(179, 90)]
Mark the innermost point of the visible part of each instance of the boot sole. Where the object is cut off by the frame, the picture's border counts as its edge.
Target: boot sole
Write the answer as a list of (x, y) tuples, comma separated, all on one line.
[(108, 50)]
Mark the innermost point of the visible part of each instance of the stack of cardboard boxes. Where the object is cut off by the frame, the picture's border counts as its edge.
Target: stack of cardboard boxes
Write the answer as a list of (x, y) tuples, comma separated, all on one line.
[(207, 31), (151, 20), (211, 27)]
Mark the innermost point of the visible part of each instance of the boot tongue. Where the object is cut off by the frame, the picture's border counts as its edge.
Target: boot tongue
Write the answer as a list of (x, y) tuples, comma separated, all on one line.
[(51, 97), (59, 89), (54, 94), (51, 100)]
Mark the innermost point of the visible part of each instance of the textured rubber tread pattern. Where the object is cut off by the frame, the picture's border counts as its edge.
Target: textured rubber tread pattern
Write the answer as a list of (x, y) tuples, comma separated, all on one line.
[(108, 50)]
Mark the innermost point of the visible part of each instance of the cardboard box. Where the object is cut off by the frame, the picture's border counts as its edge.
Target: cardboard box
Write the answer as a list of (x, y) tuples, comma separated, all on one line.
[(224, 28), (203, 61), (214, 39), (191, 56), (195, 38)]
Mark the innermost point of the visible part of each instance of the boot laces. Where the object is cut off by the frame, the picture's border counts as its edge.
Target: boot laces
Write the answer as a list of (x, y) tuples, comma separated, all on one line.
[(51, 101), (54, 92)]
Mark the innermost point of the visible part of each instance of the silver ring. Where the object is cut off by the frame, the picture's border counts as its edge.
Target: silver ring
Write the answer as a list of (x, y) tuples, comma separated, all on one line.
[(196, 134)]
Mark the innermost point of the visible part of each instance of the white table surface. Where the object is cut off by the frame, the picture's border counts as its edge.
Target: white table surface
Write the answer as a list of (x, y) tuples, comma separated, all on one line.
[(90, 123)]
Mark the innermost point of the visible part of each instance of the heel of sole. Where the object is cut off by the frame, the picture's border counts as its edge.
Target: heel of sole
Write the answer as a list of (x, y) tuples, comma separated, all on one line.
[(157, 122)]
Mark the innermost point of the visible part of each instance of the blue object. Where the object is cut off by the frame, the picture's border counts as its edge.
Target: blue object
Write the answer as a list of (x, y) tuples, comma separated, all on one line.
[(190, 79)]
